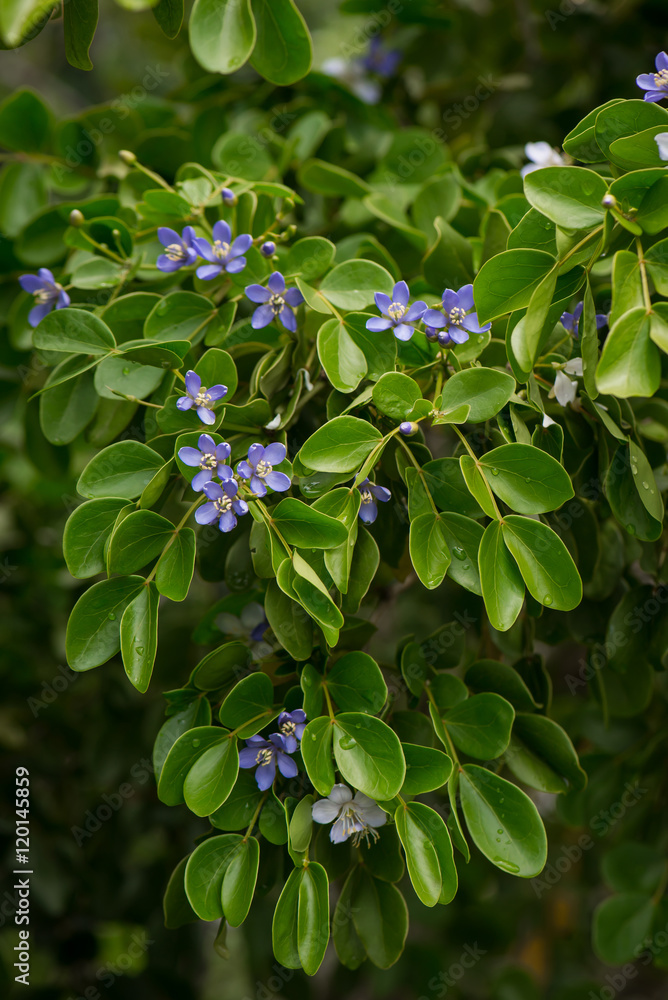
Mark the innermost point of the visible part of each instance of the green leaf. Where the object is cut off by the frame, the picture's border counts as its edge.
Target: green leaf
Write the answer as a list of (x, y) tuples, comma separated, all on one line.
[(67, 408), (211, 778), (365, 562), (217, 367), (368, 754), (306, 527), (621, 925), (169, 15), (138, 539), (301, 825), (340, 445), (282, 52), (291, 624), (74, 331), (463, 537), (248, 705), (426, 769), (313, 918), (205, 872), (429, 550), (284, 927), (176, 906), (86, 532), (477, 485), (380, 917), (239, 807), (569, 196), (80, 22), (220, 666), (396, 395), (481, 725), (239, 882), (506, 282), (184, 753), (272, 823), (449, 261), (177, 565), (314, 596), (580, 142), (353, 284), (492, 675), (343, 361), (343, 505), (428, 850), (25, 121), (624, 497), (330, 179), (114, 376), (349, 948), (445, 481), (380, 352), (545, 563), (527, 479), (356, 684), (485, 390), (626, 118), (643, 477), (139, 636), (503, 822), (177, 316), (222, 34), (309, 257), (630, 363), (500, 579), (94, 627), (123, 469), (542, 756)]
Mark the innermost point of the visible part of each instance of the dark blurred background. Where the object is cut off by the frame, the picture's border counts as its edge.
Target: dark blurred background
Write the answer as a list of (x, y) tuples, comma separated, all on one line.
[(101, 856)]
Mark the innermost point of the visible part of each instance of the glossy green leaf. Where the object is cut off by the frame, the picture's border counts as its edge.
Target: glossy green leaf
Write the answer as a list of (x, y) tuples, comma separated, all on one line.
[(500, 579), (485, 390), (426, 769), (542, 756), (569, 196), (139, 636), (380, 917), (123, 469), (282, 52), (395, 395), (481, 725), (630, 363), (239, 882), (368, 755), (529, 480), (74, 331), (428, 850), (184, 753), (621, 925), (137, 540), (545, 563), (205, 871), (249, 705), (340, 356), (340, 445), (313, 918), (356, 684), (506, 282), (353, 284), (86, 532), (429, 550), (307, 527), (177, 565), (94, 627), (222, 34), (503, 822)]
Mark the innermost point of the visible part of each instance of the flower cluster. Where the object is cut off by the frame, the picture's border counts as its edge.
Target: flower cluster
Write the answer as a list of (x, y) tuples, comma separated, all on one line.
[(268, 754), (224, 504), (47, 292), (451, 323), (356, 817), (223, 254)]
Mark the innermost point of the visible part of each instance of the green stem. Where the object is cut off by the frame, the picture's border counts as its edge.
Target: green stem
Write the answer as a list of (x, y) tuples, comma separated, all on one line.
[(102, 248), (643, 276), (272, 527), (255, 816), (417, 465), (173, 538)]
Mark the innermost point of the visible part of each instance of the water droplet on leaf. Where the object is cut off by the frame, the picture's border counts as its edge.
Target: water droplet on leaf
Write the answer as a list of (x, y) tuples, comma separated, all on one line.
[(458, 552), (547, 600), (111, 616)]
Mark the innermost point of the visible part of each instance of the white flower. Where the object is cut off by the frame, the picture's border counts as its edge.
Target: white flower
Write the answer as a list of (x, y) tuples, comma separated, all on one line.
[(541, 154), (353, 74), (548, 421), (661, 139), (274, 423), (249, 626), (350, 817), (563, 389), (574, 366)]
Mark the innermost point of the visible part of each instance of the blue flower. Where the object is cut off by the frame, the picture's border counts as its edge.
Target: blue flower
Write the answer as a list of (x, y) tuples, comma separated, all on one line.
[(197, 395), (210, 458), (259, 468), (180, 249), (291, 726), (275, 301), (223, 255), (223, 505), (571, 321), (456, 321), (268, 249), (370, 493), (265, 755), (48, 293), (656, 84), (380, 60), (397, 314)]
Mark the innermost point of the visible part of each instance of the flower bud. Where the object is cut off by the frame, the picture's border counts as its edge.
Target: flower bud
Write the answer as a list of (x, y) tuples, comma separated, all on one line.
[(608, 200), (127, 156), (76, 217), (229, 197), (408, 427), (268, 249)]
